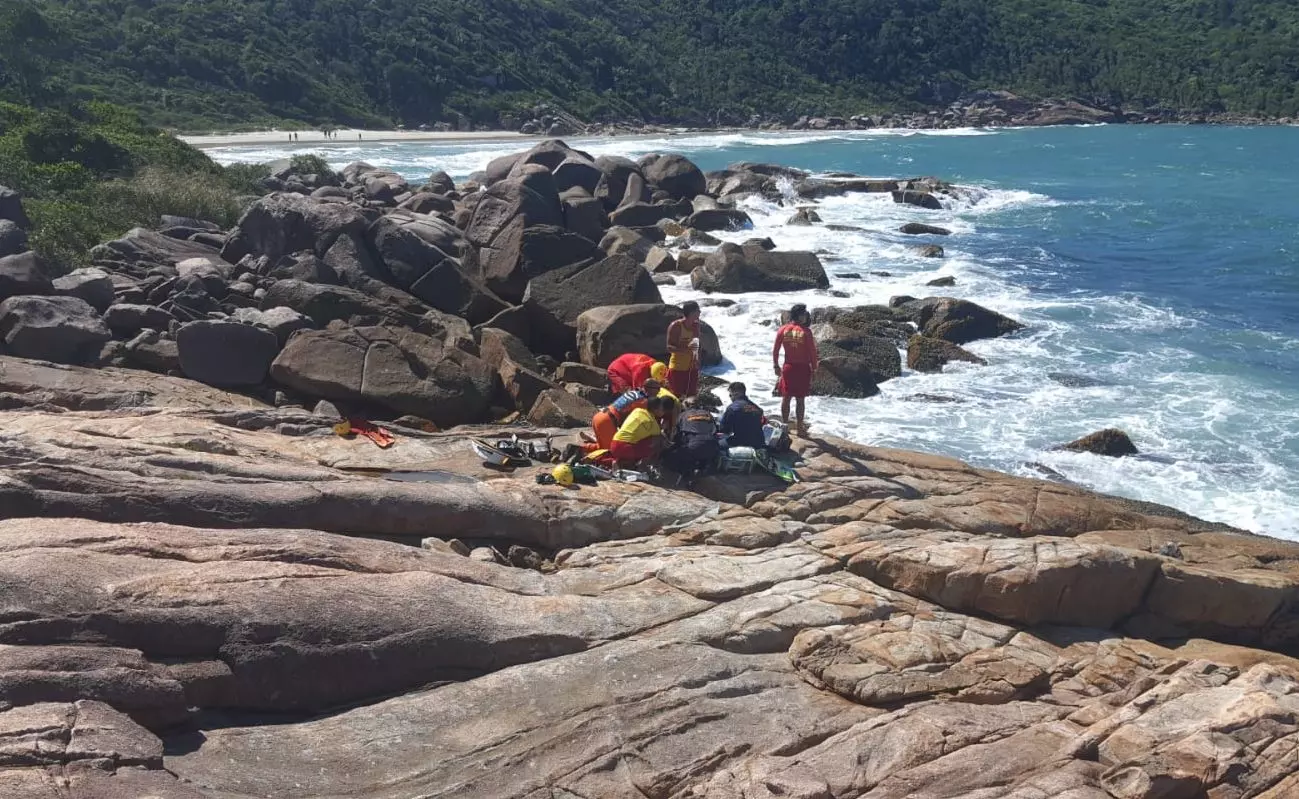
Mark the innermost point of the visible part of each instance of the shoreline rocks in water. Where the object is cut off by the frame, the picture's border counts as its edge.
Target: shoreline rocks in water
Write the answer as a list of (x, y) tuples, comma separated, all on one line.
[(1111, 442)]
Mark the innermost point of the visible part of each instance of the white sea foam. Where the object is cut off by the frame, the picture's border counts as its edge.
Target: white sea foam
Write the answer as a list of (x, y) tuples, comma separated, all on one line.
[(1219, 446)]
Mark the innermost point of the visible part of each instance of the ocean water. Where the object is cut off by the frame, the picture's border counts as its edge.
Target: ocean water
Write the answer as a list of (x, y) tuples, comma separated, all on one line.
[(1157, 270)]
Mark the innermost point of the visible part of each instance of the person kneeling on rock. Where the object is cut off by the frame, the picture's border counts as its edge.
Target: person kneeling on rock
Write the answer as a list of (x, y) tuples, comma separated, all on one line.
[(743, 419), (640, 437), (608, 419), (696, 445)]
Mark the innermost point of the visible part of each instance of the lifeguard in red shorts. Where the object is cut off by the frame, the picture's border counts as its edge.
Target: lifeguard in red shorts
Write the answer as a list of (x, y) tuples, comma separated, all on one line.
[(683, 347), (795, 338)]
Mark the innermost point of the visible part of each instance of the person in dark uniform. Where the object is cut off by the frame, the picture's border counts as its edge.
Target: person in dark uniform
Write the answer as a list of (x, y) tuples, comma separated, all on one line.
[(742, 420), (695, 446)]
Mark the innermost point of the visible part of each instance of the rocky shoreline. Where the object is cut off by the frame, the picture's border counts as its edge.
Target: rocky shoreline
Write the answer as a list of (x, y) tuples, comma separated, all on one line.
[(982, 109), (208, 592)]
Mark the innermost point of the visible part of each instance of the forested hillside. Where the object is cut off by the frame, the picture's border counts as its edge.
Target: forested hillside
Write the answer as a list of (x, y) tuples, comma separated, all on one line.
[(221, 63)]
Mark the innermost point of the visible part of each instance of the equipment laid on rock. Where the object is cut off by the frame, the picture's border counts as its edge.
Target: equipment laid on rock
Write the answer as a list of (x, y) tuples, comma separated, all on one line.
[(770, 464), (380, 436), (506, 454)]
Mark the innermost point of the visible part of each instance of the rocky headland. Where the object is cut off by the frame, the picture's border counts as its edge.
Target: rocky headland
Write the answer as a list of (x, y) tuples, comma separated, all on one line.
[(207, 592)]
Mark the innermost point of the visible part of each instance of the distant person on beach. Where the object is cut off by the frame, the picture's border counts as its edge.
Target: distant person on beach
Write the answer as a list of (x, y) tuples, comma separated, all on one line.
[(683, 347), (795, 338)]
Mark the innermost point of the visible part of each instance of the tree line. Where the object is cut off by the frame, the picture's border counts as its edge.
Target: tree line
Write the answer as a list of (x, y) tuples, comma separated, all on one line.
[(200, 64)]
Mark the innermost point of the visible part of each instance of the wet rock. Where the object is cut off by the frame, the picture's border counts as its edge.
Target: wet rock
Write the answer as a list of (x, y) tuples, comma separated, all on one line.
[(933, 251), (921, 229), (946, 281), (719, 219), (804, 217), (59, 329), (926, 354), (732, 269), (920, 199), (1111, 443), (226, 354), (957, 321)]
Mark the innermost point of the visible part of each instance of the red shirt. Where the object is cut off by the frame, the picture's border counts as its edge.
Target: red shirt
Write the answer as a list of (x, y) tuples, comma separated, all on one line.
[(798, 344), (630, 370)]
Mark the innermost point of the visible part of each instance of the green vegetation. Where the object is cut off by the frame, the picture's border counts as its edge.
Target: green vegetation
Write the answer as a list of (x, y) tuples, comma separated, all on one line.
[(92, 172), (204, 64)]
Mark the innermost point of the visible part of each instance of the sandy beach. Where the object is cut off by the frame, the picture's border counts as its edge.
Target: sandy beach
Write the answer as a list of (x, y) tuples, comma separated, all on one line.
[(348, 135)]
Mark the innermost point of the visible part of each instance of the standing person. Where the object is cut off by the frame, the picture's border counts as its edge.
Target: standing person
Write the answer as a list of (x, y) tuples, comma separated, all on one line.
[(742, 420), (795, 338), (683, 346), (640, 437), (632, 370)]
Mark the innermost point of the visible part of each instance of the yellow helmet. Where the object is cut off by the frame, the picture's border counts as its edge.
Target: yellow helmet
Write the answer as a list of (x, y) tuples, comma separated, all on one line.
[(659, 371), (563, 474)]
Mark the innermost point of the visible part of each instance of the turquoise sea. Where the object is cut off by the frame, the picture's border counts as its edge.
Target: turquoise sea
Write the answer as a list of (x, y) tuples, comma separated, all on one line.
[(1157, 269)]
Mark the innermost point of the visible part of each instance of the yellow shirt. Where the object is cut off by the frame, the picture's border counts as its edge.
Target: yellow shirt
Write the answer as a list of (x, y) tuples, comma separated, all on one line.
[(639, 425), (679, 336)]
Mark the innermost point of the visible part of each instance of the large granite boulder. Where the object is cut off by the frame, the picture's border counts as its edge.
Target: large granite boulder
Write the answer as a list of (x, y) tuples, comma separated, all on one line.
[(577, 172), (422, 256), (733, 269), (226, 354), (957, 321), (495, 230), (95, 286), (142, 251), (845, 373), (324, 304), (674, 174), (23, 274), (398, 370), (280, 224), (928, 354), (605, 332), (59, 329), (879, 353), (556, 407), (519, 254), (557, 298), (616, 173)]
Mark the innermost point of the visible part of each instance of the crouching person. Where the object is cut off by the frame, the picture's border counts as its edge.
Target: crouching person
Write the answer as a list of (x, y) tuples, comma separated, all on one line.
[(639, 439), (695, 446)]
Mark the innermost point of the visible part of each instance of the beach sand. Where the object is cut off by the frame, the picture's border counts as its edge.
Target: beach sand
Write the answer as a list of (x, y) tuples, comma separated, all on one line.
[(347, 135)]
